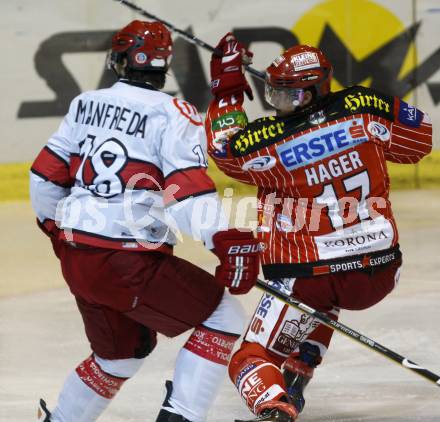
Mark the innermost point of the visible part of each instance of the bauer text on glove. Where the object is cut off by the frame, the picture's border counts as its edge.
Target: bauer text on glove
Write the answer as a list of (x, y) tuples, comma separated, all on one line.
[(239, 253)]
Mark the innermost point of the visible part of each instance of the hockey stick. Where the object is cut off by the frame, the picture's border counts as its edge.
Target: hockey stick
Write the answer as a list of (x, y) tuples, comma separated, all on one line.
[(189, 37), (349, 332)]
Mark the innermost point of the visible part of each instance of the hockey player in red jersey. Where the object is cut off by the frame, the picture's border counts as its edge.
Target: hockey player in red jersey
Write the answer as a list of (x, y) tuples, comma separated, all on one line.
[(127, 164), (325, 220)]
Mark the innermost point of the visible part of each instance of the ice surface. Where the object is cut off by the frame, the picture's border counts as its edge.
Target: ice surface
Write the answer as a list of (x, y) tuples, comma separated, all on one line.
[(42, 339)]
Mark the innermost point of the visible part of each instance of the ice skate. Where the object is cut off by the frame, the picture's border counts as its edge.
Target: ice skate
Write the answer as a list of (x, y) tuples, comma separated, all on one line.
[(43, 414), (274, 411), (165, 414)]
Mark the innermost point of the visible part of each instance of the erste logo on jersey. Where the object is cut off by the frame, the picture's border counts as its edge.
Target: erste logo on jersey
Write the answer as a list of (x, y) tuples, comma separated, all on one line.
[(189, 111), (256, 325), (321, 143)]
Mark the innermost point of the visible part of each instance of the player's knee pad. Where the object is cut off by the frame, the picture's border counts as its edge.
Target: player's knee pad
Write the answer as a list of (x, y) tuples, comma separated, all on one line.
[(256, 378), (229, 316)]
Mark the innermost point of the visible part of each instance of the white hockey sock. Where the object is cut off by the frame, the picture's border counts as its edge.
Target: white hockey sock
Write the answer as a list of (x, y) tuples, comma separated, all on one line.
[(78, 402), (202, 363), (86, 393), (195, 385)]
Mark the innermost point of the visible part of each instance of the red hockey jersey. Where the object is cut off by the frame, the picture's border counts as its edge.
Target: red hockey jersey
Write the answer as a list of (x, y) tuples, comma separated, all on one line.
[(323, 184)]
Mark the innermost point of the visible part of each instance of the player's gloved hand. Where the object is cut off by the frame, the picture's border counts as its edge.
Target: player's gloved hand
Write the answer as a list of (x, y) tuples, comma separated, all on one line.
[(227, 68), (239, 256)]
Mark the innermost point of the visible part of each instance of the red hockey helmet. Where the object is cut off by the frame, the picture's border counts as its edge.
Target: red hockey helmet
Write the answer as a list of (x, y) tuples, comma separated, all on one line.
[(147, 46), (298, 68)]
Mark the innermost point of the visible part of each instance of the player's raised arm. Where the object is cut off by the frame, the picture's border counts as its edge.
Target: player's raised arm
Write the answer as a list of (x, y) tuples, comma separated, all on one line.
[(225, 116)]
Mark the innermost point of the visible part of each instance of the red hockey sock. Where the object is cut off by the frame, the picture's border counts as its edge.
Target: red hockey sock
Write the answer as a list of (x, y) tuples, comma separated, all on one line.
[(256, 377)]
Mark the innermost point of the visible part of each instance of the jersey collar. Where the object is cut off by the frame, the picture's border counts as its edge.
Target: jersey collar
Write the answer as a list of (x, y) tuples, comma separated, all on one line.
[(144, 85)]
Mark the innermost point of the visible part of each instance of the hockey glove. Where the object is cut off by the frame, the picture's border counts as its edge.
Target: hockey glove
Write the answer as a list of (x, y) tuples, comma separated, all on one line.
[(239, 256), (227, 68)]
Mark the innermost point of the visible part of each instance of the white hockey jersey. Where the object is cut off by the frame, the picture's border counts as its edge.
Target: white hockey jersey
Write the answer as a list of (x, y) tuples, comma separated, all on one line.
[(126, 164)]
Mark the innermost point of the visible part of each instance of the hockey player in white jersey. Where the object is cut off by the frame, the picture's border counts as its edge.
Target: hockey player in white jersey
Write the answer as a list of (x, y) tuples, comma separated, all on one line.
[(125, 162)]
